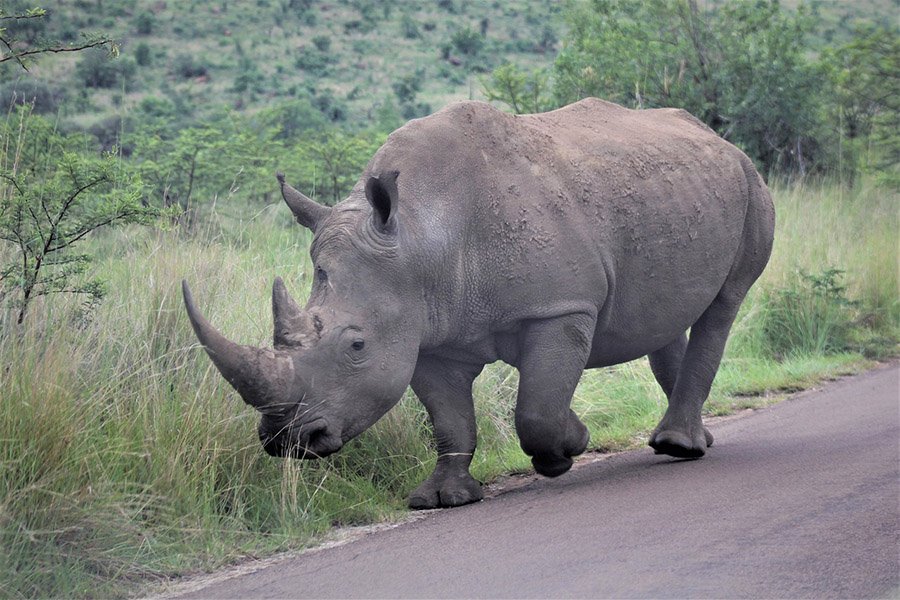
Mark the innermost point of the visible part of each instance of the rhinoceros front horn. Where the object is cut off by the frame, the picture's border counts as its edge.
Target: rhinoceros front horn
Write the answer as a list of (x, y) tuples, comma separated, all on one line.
[(308, 212), (262, 377)]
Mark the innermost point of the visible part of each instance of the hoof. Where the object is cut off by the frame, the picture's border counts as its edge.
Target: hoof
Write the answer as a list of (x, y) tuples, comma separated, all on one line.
[(446, 492), (678, 444), (551, 466)]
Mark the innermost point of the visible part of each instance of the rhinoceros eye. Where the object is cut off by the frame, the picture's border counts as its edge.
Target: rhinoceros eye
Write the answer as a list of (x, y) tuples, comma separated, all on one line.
[(321, 275), (358, 345)]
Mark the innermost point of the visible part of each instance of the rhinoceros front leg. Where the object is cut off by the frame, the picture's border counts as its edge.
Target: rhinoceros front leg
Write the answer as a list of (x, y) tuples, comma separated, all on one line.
[(445, 388), (552, 356), (681, 432)]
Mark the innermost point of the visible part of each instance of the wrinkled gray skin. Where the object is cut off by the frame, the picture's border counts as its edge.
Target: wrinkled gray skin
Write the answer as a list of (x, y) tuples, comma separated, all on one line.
[(580, 238)]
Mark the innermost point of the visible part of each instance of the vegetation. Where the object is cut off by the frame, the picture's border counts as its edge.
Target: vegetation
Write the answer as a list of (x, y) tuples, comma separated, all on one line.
[(749, 70), (126, 459)]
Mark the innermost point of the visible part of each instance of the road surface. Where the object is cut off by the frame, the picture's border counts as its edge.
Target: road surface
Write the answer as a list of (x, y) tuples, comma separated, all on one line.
[(800, 500)]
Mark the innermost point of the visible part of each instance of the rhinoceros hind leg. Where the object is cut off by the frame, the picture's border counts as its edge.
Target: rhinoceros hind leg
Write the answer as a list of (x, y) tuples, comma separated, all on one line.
[(681, 432), (553, 353), (445, 388), (665, 364)]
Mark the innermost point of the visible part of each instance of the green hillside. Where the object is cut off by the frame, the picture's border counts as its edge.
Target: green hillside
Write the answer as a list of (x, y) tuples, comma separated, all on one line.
[(351, 58), (355, 59)]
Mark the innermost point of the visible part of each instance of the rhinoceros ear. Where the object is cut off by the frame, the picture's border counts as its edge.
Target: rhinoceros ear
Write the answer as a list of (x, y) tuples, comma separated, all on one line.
[(381, 192), (307, 211)]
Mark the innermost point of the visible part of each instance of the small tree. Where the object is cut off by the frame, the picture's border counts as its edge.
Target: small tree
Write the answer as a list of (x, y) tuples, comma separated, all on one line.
[(524, 92), (339, 159), (52, 196)]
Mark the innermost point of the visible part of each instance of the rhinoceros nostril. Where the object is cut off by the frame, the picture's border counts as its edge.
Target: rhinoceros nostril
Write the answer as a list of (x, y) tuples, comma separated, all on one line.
[(314, 432)]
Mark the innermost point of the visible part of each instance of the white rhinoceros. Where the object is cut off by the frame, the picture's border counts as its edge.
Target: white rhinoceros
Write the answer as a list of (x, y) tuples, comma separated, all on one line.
[(583, 237)]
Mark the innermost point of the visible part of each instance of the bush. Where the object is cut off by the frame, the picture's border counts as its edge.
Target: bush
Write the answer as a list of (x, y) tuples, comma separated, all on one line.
[(331, 107), (407, 87), (143, 23), (100, 70), (108, 132), (812, 315), (322, 43), (249, 77), (744, 70), (187, 66), (467, 41), (409, 28), (313, 61), (292, 119), (142, 54)]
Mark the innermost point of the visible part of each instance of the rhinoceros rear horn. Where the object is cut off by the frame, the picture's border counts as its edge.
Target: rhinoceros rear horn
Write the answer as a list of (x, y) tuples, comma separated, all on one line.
[(290, 321), (308, 212), (261, 377)]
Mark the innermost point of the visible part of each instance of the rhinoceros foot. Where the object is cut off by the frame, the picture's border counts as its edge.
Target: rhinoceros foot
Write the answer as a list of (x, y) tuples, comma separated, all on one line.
[(444, 490), (680, 444), (550, 465)]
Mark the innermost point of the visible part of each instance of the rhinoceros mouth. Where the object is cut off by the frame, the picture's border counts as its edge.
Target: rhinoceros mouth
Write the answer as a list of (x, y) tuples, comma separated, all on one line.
[(313, 440)]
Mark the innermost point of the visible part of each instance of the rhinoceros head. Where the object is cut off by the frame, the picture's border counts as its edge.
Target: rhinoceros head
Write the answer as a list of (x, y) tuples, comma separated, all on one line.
[(344, 360)]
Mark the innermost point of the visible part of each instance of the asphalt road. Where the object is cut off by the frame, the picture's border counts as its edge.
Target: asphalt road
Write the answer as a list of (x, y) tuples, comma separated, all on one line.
[(800, 500)]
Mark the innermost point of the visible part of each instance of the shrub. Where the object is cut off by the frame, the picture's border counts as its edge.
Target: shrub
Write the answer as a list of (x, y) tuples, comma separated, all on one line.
[(467, 41), (249, 76), (331, 107), (100, 70), (142, 54), (409, 28), (313, 61), (811, 315), (188, 66), (292, 119), (408, 86), (107, 131), (322, 43), (143, 23)]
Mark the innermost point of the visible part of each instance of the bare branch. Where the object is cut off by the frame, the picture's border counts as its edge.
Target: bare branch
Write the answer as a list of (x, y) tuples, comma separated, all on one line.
[(12, 54), (18, 56), (88, 229), (22, 17)]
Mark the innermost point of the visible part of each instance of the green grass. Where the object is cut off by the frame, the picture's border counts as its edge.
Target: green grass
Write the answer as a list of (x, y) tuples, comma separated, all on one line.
[(125, 458)]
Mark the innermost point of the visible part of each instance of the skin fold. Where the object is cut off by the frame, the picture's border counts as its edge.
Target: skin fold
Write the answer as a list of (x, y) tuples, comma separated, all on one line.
[(580, 238)]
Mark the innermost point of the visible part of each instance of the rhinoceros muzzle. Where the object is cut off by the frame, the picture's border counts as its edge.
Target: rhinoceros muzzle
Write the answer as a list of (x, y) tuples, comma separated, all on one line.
[(312, 440)]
